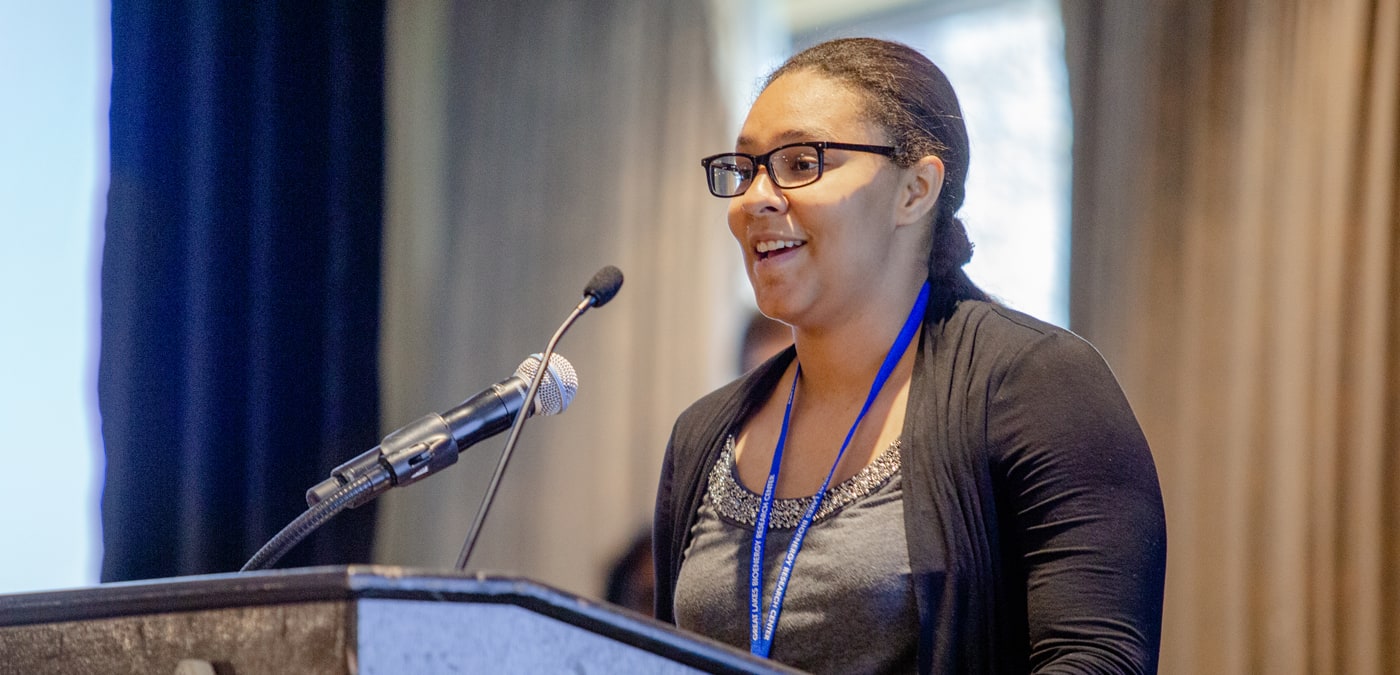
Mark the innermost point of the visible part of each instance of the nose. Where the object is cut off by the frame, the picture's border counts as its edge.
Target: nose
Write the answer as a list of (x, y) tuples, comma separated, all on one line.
[(763, 196)]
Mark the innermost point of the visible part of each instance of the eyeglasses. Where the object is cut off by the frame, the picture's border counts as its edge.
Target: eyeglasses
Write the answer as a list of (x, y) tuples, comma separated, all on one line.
[(790, 166)]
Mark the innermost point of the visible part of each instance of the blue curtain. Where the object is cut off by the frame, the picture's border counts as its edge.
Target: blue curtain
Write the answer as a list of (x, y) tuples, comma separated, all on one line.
[(240, 277)]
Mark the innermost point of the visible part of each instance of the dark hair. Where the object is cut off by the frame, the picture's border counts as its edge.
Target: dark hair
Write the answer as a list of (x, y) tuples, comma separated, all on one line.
[(913, 101)]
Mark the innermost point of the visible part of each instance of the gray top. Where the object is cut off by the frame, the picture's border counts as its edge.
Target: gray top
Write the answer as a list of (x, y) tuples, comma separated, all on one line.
[(1031, 506), (850, 602)]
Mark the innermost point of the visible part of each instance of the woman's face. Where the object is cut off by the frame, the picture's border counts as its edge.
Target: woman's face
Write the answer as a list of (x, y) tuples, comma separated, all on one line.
[(815, 254)]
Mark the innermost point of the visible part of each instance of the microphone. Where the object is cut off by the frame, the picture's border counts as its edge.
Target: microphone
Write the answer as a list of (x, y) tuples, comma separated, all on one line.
[(603, 286), (431, 443), (597, 293)]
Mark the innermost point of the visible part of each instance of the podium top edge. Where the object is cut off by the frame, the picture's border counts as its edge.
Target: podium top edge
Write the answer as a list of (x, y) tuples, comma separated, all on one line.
[(309, 584), (366, 582)]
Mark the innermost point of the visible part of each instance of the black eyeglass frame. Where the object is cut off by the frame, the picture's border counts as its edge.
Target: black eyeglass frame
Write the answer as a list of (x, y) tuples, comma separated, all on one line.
[(763, 160)]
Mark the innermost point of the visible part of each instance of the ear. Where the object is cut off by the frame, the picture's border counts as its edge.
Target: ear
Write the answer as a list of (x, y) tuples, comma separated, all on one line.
[(923, 182)]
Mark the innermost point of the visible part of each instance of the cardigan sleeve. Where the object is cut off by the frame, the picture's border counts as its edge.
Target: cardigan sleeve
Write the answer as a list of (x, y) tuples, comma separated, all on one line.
[(1081, 509), (662, 538)]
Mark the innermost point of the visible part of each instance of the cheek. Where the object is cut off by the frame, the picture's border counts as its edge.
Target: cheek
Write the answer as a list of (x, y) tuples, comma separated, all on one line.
[(737, 227)]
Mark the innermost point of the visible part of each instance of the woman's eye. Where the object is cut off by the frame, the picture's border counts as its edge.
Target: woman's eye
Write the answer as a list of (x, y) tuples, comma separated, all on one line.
[(802, 163), (739, 171)]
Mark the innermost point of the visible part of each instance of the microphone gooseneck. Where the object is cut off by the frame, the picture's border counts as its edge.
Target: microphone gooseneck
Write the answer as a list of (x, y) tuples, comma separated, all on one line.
[(597, 293), (342, 498), (546, 381), (426, 446)]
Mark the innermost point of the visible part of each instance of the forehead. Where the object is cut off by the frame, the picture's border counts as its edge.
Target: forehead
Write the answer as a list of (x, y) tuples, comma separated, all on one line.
[(807, 106)]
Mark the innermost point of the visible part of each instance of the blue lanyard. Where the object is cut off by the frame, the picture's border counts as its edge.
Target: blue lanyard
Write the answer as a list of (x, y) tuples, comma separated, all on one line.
[(761, 637)]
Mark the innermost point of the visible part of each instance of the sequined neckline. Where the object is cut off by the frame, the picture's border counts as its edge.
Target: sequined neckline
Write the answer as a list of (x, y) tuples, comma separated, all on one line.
[(737, 503)]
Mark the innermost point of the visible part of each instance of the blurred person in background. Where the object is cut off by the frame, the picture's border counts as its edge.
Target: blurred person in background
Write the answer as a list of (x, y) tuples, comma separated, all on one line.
[(764, 338)]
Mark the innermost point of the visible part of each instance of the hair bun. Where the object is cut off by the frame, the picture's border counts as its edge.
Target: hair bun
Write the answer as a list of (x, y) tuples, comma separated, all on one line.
[(951, 247)]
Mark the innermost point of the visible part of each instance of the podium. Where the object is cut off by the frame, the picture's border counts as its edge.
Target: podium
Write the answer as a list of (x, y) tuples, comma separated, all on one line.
[(345, 620)]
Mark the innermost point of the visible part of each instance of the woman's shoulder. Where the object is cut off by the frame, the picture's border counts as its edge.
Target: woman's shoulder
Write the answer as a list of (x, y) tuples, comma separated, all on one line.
[(999, 337), (709, 404), (995, 321), (731, 401), (1005, 348), (989, 322)]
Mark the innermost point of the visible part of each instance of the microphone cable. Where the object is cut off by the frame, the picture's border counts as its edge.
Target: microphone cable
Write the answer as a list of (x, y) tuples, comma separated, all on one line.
[(310, 519)]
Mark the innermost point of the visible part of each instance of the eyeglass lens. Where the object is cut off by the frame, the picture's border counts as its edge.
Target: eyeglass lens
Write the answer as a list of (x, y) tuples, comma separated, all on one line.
[(788, 167), (730, 174)]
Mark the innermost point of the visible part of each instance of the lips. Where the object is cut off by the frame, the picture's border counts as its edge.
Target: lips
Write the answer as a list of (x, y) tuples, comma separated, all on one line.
[(773, 247)]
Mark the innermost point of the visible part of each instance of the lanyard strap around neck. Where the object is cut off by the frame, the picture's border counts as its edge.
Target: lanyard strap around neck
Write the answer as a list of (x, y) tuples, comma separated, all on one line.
[(760, 631)]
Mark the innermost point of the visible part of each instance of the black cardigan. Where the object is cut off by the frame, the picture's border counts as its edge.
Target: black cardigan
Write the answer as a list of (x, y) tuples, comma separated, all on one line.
[(1036, 533)]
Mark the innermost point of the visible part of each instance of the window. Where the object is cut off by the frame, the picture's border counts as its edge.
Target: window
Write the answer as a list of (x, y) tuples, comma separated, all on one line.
[(53, 179), (1005, 58), (1006, 61)]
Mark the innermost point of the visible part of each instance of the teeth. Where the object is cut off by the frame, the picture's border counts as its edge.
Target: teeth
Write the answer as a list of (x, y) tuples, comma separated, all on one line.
[(766, 246)]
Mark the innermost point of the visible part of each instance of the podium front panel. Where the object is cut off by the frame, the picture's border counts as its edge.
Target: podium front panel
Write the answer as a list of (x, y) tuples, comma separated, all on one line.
[(344, 620)]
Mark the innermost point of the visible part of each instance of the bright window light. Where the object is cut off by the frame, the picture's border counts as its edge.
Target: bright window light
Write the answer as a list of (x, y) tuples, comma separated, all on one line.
[(1006, 60), (53, 182), (1007, 63)]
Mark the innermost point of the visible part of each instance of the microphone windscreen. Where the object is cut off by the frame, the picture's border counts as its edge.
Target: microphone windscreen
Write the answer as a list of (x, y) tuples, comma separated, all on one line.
[(558, 387), (604, 285)]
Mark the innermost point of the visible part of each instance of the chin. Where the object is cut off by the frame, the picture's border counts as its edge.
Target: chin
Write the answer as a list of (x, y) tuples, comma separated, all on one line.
[(769, 308), (776, 307)]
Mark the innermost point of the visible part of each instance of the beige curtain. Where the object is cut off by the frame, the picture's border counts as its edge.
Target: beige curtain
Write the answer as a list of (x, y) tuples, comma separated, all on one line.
[(531, 143), (1236, 257)]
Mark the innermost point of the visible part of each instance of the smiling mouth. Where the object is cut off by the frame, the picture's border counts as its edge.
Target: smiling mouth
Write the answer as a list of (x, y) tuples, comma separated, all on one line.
[(768, 249)]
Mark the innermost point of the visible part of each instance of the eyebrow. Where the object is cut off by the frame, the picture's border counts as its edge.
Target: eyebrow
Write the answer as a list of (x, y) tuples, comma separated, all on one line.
[(790, 136)]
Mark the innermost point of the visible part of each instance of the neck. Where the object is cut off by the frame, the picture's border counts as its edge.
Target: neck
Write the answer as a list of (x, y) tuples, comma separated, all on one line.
[(841, 361)]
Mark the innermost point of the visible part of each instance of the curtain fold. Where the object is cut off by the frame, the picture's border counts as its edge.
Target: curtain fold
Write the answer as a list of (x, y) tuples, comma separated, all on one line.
[(240, 278), (1236, 256), (531, 143)]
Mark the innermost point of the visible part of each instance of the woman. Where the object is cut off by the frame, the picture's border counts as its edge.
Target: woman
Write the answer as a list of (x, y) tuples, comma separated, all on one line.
[(926, 480)]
